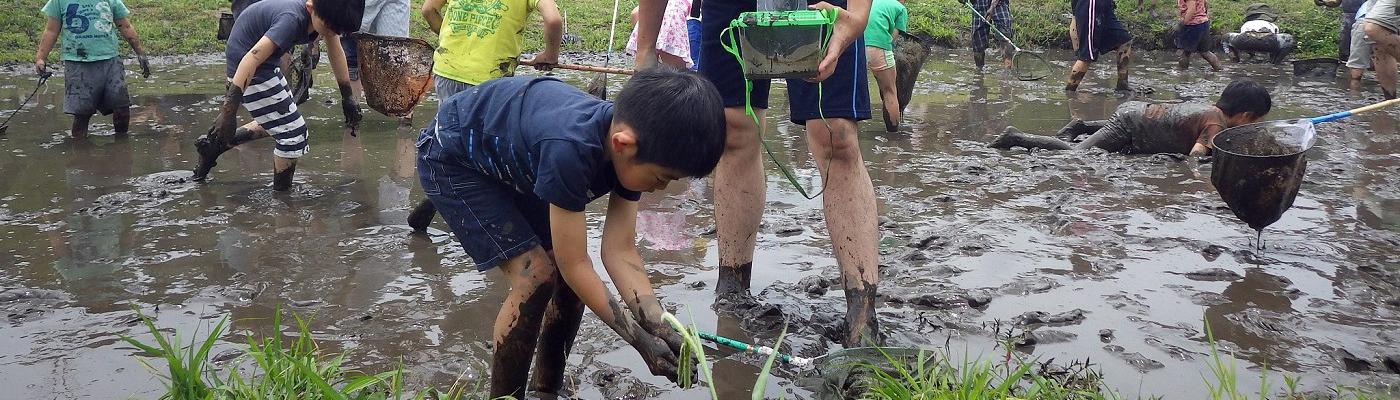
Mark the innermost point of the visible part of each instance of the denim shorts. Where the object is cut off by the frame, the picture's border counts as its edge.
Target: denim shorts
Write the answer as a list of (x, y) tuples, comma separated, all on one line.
[(493, 222)]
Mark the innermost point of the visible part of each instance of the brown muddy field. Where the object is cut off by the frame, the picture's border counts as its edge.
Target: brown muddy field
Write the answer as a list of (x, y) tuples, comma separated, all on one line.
[(1126, 256)]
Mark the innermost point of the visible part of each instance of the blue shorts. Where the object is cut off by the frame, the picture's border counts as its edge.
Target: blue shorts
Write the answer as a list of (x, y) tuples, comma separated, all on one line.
[(493, 222), (846, 94)]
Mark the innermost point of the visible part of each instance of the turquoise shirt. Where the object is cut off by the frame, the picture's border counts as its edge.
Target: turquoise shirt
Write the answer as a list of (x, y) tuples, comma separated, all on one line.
[(885, 16), (89, 29)]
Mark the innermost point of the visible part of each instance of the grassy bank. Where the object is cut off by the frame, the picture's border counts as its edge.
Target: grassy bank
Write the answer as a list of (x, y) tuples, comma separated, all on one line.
[(171, 27)]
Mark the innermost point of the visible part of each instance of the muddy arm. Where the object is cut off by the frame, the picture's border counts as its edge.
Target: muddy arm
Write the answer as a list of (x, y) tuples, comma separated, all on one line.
[(553, 32), (129, 33), (569, 230), (624, 266)]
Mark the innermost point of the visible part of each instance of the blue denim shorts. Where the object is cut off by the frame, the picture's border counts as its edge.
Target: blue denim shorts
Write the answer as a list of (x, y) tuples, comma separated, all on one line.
[(492, 221)]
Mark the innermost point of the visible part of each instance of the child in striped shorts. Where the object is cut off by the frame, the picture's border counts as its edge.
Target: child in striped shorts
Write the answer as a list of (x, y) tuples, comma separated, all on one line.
[(261, 34)]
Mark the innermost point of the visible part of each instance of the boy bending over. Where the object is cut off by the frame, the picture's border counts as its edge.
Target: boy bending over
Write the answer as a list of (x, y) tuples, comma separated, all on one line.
[(511, 164), (261, 34), (1145, 128)]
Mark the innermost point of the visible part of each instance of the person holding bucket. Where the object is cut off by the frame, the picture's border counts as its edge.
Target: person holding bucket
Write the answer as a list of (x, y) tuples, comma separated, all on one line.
[(1146, 128), (1383, 27), (830, 113), (478, 43), (261, 34)]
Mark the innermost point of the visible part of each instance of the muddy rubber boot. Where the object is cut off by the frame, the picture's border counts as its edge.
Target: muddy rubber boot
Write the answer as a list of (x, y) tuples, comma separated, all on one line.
[(422, 216), (282, 180)]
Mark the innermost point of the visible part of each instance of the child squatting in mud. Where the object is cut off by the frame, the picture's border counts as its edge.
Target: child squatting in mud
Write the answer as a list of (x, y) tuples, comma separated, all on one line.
[(1146, 128), (511, 164)]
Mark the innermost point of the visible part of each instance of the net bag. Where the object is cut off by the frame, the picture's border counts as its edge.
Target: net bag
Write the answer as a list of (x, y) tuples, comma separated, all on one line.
[(396, 72)]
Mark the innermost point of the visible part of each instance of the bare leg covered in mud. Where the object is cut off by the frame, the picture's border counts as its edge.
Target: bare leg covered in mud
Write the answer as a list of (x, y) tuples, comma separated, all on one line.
[(849, 207), (557, 334), (1386, 53), (80, 126), (740, 194), (1104, 137), (533, 279), (1081, 68)]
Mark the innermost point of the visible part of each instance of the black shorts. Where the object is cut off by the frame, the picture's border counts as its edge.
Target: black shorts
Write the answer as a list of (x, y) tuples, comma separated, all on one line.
[(1194, 38), (846, 94)]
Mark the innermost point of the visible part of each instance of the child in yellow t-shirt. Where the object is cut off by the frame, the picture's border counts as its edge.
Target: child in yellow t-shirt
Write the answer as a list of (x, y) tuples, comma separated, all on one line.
[(480, 40)]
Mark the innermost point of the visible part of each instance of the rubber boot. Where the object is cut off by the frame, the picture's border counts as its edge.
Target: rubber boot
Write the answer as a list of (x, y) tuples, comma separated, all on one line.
[(282, 180), (422, 216)]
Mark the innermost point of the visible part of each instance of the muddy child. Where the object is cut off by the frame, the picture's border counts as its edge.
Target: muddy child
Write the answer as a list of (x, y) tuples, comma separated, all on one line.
[(1146, 128), (94, 78), (477, 43), (261, 34), (512, 163)]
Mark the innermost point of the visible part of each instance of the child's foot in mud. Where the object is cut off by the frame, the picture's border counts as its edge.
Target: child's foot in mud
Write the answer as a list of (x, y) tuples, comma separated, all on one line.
[(735, 301)]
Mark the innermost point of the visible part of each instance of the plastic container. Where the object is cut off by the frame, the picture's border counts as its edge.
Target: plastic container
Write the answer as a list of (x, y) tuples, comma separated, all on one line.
[(782, 44)]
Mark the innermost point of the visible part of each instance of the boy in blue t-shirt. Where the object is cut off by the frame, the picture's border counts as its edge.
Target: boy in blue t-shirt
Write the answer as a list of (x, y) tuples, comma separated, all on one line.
[(94, 79), (261, 34), (511, 165)]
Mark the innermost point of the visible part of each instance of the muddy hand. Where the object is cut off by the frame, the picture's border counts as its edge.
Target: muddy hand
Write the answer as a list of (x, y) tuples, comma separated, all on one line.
[(849, 27), (145, 65), (352, 115), (544, 62), (658, 356), (227, 121), (40, 68)]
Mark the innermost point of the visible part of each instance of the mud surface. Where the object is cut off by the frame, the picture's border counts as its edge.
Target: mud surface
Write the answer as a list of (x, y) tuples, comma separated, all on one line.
[(1117, 259)]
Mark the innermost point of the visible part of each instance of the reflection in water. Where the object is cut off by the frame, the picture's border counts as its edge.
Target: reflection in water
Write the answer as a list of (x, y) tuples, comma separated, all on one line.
[(111, 223)]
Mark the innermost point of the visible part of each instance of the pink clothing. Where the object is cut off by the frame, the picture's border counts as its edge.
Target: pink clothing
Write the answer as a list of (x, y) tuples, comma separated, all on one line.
[(673, 38), (1202, 12)]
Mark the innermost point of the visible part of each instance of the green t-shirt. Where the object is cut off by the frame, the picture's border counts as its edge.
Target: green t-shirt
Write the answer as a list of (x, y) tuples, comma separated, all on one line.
[(884, 15), (89, 30)]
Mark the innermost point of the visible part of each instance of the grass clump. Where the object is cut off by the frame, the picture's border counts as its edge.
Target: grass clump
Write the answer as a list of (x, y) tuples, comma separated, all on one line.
[(294, 368)]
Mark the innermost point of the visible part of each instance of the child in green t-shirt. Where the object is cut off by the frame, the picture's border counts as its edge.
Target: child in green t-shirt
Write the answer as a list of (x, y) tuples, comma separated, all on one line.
[(94, 79)]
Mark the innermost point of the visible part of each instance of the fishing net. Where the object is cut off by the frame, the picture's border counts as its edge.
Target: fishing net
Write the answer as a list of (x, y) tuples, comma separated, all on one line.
[(1029, 66), (847, 373), (910, 53), (1258, 168), (396, 72)]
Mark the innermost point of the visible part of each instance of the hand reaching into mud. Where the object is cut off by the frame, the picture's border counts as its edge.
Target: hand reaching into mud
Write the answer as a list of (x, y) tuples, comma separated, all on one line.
[(658, 356), (352, 113), (227, 121)]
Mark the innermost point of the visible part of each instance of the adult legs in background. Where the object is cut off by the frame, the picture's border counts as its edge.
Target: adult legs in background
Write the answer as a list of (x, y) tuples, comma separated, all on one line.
[(740, 193), (1387, 48)]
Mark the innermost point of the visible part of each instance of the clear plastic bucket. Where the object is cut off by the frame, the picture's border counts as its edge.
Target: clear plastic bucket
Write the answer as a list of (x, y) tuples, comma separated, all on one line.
[(782, 44)]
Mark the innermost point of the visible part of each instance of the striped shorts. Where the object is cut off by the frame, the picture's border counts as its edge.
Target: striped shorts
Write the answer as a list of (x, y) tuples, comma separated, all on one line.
[(270, 102)]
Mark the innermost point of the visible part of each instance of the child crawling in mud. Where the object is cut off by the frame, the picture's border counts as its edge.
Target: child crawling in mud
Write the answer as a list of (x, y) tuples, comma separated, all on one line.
[(1147, 128), (511, 165)]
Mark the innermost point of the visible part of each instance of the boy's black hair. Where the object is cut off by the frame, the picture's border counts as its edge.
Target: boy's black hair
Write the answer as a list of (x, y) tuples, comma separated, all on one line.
[(678, 117), (1245, 95), (342, 16)]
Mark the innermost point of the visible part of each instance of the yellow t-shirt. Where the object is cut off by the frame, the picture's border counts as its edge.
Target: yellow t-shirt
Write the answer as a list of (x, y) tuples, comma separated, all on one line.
[(480, 40)]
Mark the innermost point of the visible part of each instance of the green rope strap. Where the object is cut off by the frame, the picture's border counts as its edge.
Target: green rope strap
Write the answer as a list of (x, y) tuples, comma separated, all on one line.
[(730, 45)]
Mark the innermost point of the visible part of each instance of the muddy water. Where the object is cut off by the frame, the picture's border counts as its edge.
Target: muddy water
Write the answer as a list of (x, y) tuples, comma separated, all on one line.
[(1139, 246)]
